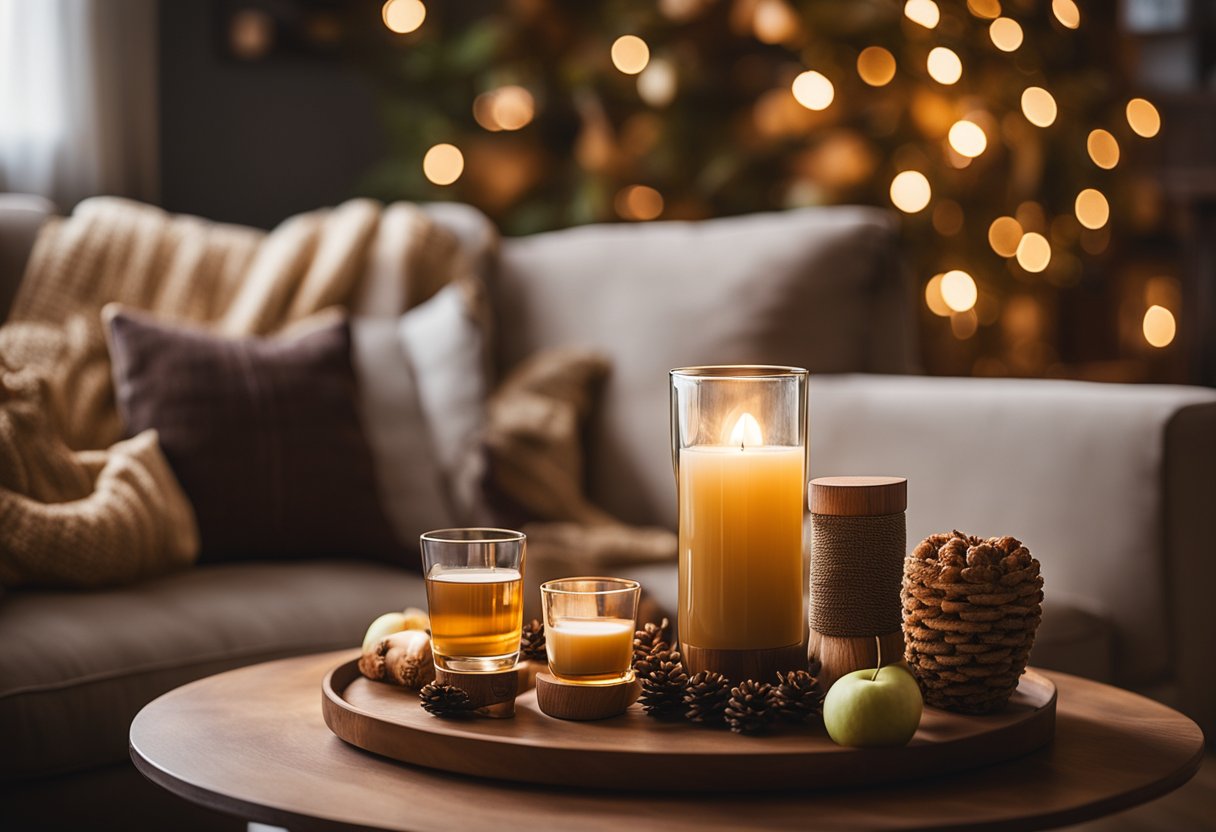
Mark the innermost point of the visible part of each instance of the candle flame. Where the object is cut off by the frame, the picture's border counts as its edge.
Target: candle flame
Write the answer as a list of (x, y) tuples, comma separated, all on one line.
[(746, 432)]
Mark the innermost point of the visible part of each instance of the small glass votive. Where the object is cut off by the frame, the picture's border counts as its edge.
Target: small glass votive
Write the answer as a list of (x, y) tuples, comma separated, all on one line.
[(589, 627), (474, 592)]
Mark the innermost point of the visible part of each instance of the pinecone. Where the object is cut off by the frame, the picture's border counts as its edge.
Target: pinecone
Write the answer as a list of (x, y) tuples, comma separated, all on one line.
[(649, 640), (749, 709), (445, 700), (532, 642), (663, 682), (705, 698), (796, 696)]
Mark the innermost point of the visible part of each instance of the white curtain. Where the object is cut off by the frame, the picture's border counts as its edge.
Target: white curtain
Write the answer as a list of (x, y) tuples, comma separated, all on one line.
[(78, 111)]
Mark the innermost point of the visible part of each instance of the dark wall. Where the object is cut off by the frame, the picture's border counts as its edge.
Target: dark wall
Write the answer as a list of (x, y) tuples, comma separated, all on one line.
[(254, 142)]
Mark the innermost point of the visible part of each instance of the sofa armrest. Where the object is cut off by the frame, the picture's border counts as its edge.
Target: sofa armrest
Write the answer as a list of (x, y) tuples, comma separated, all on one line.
[(21, 216), (1108, 484)]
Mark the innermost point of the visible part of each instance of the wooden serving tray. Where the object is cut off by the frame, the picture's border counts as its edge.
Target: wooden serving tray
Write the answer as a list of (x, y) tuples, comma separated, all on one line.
[(637, 752)]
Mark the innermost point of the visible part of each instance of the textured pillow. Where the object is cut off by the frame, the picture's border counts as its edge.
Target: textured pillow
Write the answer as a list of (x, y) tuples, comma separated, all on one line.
[(262, 433), (422, 396), (818, 288)]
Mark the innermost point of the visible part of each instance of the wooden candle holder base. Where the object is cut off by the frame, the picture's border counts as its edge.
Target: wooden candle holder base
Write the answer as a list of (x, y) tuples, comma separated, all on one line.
[(838, 656), (490, 694), (570, 700), (739, 665)]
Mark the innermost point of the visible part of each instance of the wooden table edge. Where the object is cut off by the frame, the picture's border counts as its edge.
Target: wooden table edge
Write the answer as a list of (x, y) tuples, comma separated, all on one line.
[(280, 816)]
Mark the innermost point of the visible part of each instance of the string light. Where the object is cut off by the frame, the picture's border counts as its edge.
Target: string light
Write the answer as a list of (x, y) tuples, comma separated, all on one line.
[(1143, 118), (1091, 208), (986, 9), (1038, 106), (812, 90), (639, 202), (964, 324), (1066, 12), (933, 297), (1103, 148), (657, 83), (443, 164), (1004, 235), (1159, 326), (958, 290), (968, 138), (403, 16), (774, 22), (1006, 34), (924, 12), (1034, 252), (506, 108), (944, 66), (876, 66), (630, 54), (910, 191)]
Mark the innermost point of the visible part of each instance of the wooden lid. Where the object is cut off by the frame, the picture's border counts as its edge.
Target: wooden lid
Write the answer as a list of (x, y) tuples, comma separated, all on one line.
[(858, 496)]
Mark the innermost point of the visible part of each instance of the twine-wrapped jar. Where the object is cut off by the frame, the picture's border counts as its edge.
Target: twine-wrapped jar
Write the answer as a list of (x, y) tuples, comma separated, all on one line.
[(970, 611), (857, 551)]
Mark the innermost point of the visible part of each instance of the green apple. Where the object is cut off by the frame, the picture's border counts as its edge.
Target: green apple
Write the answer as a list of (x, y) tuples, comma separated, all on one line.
[(868, 708)]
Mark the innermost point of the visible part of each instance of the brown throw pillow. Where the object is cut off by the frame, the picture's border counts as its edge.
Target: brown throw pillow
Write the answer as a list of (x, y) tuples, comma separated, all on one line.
[(262, 434)]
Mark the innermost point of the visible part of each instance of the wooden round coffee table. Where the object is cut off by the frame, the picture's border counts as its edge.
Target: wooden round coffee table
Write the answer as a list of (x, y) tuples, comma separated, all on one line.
[(252, 742)]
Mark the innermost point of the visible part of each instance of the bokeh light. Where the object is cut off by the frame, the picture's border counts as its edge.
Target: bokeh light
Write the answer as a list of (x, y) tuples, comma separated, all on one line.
[(403, 16), (924, 12), (910, 191), (1091, 208), (630, 54), (958, 290), (1006, 34), (876, 66), (774, 22), (1004, 235), (1066, 12), (443, 164), (657, 83), (967, 138), (639, 202), (964, 324), (986, 9), (1103, 148), (1038, 106), (514, 107), (1034, 252), (251, 34), (812, 90), (1159, 326), (944, 65), (933, 297), (1143, 118)]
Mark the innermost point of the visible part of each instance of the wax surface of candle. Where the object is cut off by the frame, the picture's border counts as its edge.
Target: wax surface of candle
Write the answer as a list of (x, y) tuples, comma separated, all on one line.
[(741, 546), (590, 647)]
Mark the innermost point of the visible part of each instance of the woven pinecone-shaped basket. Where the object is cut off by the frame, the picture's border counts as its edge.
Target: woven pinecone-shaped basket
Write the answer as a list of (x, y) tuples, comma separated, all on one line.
[(970, 610)]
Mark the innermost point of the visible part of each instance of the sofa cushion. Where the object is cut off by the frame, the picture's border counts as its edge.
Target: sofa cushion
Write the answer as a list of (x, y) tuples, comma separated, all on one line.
[(76, 667), (263, 434), (816, 288)]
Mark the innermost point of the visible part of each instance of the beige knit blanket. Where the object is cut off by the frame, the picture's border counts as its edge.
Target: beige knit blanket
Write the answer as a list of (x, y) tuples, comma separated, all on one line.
[(78, 505)]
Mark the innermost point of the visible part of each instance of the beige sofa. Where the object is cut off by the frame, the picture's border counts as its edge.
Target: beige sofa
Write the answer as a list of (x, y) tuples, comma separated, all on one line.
[(1107, 484)]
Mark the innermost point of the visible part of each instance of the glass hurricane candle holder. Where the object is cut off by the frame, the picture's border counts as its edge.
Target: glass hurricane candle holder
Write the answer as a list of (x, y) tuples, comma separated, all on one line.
[(739, 449), (589, 627)]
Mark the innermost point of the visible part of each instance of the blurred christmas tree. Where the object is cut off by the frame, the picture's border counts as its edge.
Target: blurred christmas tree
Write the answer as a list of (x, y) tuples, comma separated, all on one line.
[(996, 128)]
